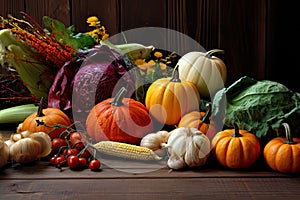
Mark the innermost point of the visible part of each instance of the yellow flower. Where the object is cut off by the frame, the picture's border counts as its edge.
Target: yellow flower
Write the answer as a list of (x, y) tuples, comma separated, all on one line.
[(158, 54), (92, 19), (105, 36)]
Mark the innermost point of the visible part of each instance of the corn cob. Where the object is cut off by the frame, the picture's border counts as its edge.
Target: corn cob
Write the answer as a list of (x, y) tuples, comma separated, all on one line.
[(124, 150)]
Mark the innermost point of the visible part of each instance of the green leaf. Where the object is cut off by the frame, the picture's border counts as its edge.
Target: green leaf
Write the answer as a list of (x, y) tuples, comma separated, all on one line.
[(66, 35), (257, 106)]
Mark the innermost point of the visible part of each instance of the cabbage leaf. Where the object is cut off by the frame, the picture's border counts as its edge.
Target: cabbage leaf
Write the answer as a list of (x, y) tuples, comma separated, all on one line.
[(258, 106)]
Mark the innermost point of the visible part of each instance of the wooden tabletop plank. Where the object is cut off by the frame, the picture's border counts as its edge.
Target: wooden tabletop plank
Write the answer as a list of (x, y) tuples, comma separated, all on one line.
[(43, 170), (206, 188)]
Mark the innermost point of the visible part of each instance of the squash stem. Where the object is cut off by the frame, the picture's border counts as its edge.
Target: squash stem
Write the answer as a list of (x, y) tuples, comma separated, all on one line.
[(288, 135), (175, 75), (236, 131), (40, 109), (205, 117), (117, 101), (209, 53)]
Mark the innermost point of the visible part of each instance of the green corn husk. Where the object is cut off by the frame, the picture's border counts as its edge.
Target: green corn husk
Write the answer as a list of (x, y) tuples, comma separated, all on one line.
[(35, 75), (17, 114)]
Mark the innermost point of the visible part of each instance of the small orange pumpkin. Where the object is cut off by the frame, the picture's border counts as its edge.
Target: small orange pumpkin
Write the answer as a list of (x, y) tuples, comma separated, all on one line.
[(168, 99), (199, 120), (119, 119), (283, 153), (236, 149), (50, 117)]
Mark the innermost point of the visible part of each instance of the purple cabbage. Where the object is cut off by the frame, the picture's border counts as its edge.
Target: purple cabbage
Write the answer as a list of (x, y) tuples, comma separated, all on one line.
[(95, 75)]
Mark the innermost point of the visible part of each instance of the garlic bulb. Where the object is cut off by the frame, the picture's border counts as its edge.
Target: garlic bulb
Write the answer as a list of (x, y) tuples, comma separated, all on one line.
[(45, 142), (4, 152), (175, 162), (25, 150), (155, 141), (191, 145), (29, 148)]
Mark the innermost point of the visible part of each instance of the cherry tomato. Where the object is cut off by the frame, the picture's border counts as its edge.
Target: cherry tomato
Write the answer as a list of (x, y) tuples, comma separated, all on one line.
[(82, 162), (53, 160), (71, 152), (86, 154), (94, 165), (73, 162), (60, 161), (57, 143), (76, 137), (79, 145)]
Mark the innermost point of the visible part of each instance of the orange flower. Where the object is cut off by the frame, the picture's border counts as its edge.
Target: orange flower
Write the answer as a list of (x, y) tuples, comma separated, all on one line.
[(105, 36), (158, 54), (163, 67)]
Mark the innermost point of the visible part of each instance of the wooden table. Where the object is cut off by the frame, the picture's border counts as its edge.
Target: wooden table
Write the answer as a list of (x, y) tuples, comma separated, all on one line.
[(39, 180)]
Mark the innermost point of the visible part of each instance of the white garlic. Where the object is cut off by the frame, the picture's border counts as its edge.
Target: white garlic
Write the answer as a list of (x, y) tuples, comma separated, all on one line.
[(45, 142), (25, 150), (175, 162), (191, 145), (155, 141)]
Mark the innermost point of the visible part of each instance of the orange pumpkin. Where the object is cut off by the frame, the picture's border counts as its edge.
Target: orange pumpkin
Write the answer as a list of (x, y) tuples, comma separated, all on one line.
[(235, 149), (50, 117), (168, 99), (199, 120), (119, 119), (283, 153)]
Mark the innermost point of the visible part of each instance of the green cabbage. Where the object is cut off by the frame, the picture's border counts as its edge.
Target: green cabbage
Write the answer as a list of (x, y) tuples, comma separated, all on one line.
[(258, 106)]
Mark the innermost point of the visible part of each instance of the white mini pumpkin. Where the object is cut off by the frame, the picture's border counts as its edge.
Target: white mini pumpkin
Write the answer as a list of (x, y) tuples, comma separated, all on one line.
[(206, 71)]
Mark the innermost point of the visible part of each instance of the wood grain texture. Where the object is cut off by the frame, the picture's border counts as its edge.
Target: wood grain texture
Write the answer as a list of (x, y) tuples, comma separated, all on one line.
[(40, 180), (204, 188), (11, 7), (136, 14), (107, 12), (59, 10), (242, 36)]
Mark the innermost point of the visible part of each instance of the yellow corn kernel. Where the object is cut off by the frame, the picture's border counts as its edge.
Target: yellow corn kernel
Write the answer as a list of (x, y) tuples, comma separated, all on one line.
[(125, 150)]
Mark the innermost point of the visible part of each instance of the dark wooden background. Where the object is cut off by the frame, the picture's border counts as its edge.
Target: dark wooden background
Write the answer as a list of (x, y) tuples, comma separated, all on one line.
[(258, 36)]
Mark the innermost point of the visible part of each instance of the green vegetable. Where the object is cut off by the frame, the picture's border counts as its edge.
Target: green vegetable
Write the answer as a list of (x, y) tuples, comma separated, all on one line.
[(66, 35), (257, 106), (132, 50), (17, 114), (19, 57)]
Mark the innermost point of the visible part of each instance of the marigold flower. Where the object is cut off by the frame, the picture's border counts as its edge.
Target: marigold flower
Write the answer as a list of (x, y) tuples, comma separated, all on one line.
[(92, 19), (158, 54), (139, 61), (105, 36), (163, 67)]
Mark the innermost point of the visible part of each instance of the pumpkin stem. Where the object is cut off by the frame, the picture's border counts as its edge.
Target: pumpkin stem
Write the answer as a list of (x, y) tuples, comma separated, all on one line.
[(117, 101), (236, 131), (209, 53), (288, 135), (205, 117), (175, 75), (40, 109)]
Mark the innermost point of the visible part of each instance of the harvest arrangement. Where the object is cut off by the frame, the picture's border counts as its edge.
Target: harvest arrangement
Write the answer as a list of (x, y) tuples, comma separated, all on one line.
[(139, 103)]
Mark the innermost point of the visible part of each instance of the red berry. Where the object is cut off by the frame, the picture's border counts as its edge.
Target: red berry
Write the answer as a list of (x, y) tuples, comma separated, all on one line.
[(73, 162), (94, 165)]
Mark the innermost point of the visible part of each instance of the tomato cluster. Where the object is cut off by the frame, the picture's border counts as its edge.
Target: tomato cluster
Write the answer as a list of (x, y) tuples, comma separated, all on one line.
[(70, 151)]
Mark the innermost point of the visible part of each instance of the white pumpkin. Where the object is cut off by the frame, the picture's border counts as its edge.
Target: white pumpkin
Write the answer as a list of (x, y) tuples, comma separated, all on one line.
[(206, 71)]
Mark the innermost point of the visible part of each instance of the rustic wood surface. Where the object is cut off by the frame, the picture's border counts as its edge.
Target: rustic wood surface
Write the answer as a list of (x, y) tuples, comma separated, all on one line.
[(40, 180), (254, 34)]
